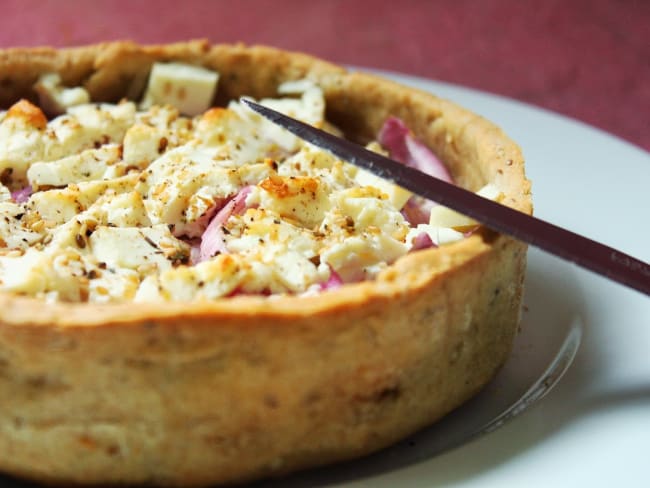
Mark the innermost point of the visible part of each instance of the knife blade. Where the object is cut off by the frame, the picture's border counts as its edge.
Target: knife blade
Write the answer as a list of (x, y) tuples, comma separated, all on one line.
[(587, 253)]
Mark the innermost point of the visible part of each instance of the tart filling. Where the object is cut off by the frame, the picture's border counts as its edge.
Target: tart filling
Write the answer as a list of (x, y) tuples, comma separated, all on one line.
[(115, 202)]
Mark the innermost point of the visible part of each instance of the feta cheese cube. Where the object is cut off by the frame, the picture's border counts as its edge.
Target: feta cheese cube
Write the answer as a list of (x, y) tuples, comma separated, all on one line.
[(186, 87), (397, 195), (445, 217), (142, 249), (55, 98), (91, 164)]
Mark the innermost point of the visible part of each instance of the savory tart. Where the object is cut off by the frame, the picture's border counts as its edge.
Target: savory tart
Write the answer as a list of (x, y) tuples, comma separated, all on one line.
[(190, 295)]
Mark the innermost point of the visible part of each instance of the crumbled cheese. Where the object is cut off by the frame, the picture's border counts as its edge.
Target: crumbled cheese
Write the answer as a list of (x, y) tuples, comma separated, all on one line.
[(26, 137), (303, 199), (363, 230), (207, 280), (316, 163), (183, 184), (114, 285), (264, 234), (360, 257), (60, 205), (309, 108), (366, 209), (122, 198)]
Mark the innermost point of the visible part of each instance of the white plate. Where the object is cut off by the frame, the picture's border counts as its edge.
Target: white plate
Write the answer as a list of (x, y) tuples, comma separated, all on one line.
[(593, 429)]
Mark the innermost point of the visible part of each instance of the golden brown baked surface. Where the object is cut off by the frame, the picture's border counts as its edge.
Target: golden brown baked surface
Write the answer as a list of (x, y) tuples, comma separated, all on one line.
[(247, 387)]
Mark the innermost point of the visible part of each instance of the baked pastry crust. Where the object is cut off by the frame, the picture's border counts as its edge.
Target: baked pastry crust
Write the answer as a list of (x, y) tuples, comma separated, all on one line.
[(247, 387)]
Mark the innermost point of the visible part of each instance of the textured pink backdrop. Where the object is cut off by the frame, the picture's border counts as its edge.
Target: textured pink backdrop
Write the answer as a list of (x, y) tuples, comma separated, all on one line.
[(589, 59)]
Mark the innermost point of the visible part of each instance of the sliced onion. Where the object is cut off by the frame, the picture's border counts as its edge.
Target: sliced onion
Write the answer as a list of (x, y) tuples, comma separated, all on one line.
[(212, 240), (195, 253), (396, 137), (402, 146), (422, 241), (22, 195), (197, 228), (333, 282), (417, 210)]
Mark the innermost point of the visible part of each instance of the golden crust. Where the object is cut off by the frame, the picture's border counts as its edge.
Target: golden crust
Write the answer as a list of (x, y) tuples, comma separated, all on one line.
[(242, 388)]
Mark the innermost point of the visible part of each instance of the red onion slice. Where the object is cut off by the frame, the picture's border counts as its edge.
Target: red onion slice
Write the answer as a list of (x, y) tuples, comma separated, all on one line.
[(422, 241), (417, 210), (333, 282), (22, 195), (197, 228), (212, 240), (402, 146)]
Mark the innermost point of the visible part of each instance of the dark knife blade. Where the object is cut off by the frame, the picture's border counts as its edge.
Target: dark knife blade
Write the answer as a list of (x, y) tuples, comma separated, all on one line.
[(585, 252)]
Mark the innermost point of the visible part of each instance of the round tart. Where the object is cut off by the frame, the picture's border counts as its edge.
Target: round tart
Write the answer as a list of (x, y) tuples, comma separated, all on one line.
[(250, 386)]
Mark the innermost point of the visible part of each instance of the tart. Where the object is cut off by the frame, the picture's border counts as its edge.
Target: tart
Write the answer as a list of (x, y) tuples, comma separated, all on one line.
[(178, 391)]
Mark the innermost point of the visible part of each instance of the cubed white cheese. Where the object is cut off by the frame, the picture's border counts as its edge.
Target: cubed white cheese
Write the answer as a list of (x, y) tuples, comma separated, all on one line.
[(357, 257), (149, 290), (263, 234), (299, 198), (146, 250), (438, 235), (233, 136), (366, 208), (294, 272), (26, 273), (120, 210), (207, 280), (91, 164), (314, 162), (445, 217), (22, 140), (105, 286), (186, 87), (142, 145), (91, 125), (36, 273), (55, 98), (396, 194), (13, 233)]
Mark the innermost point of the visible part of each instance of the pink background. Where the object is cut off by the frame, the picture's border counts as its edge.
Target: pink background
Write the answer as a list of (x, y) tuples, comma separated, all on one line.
[(588, 59)]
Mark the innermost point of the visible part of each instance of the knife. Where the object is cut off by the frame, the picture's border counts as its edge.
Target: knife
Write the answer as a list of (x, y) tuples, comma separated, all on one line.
[(585, 252)]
